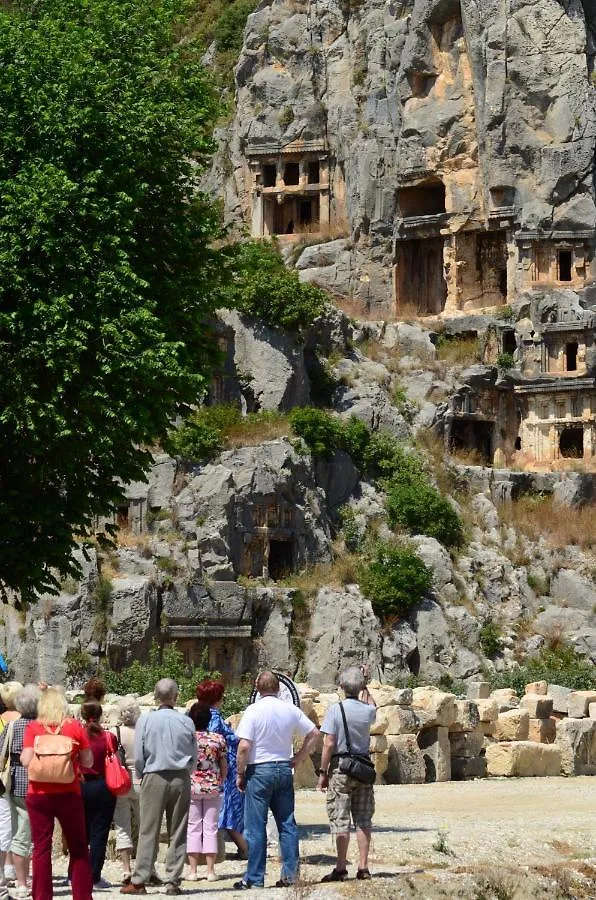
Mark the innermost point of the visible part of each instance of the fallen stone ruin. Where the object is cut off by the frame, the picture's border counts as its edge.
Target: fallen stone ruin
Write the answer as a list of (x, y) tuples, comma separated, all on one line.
[(425, 734)]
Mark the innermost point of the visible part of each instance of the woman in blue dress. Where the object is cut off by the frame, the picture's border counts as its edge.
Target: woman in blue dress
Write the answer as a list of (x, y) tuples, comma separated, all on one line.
[(231, 816)]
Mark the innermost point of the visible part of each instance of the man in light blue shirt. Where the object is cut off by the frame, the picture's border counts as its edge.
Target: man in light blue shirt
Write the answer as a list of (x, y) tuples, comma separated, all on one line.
[(165, 755)]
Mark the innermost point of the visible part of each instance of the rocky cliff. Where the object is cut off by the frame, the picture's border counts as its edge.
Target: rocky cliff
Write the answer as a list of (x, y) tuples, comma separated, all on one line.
[(483, 112)]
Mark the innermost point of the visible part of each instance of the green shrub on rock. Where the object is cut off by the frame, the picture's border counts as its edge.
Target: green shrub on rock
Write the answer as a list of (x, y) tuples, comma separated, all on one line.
[(419, 508), (394, 580), (264, 288)]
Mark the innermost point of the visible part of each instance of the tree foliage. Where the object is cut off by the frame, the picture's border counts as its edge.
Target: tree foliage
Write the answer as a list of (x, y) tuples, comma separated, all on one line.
[(105, 271), (263, 287)]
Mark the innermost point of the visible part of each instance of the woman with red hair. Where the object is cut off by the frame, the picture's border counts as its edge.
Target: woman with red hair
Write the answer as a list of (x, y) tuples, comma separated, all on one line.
[(231, 816)]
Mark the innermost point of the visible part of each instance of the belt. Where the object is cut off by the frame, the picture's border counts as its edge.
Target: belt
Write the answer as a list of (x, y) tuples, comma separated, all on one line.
[(273, 762)]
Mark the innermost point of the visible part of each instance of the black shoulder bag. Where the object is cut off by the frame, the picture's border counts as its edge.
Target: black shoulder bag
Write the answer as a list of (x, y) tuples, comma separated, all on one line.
[(355, 765)]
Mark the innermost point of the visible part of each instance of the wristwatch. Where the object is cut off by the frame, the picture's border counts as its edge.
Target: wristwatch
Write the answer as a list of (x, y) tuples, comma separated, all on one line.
[(322, 772)]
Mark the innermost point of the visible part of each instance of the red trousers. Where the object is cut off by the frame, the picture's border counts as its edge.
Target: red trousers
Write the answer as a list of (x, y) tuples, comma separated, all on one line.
[(67, 807)]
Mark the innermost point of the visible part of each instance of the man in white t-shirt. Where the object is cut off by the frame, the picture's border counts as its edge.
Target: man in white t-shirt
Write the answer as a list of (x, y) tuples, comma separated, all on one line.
[(265, 764)]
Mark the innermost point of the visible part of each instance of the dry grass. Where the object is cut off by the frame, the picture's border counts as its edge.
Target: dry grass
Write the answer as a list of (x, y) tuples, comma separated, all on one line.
[(458, 351), (251, 433), (139, 542), (560, 526), (341, 571)]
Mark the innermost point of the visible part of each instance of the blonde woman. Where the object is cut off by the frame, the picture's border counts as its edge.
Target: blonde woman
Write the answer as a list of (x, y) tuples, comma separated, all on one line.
[(8, 695), (47, 801)]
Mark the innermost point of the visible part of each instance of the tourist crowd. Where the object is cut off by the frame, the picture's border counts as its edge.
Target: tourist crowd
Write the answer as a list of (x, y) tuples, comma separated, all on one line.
[(193, 768)]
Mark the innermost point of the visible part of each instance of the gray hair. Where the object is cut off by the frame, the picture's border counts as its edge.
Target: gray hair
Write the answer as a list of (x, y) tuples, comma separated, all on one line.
[(165, 692), (26, 701), (128, 712), (352, 681)]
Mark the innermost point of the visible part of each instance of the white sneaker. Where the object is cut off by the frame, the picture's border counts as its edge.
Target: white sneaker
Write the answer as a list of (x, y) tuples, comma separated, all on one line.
[(212, 877), (19, 893)]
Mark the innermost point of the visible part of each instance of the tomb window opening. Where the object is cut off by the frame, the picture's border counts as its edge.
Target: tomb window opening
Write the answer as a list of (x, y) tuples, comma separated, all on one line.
[(122, 517), (291, 173), (314, 175), (565, 261), (571, 443), (422, 200), (269, 175), (503, 283), (474, 437), (571, 356), (281, 561), (305, 212), (509, 342), (518, 444)]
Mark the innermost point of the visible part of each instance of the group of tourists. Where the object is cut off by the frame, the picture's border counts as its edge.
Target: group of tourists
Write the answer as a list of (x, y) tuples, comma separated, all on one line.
[(192, 768)]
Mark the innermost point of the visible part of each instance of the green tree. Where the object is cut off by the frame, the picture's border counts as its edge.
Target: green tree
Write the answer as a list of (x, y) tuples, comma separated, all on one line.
[(105, 266)]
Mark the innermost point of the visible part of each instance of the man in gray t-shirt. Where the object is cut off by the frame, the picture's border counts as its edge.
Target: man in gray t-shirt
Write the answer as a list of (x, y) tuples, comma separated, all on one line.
[(347, 799)]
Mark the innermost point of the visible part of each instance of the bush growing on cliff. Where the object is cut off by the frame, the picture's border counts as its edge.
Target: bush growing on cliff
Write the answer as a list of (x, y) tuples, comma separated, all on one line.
[(394, 580), (210, 429), (419, 508), (263, 287), (324, 433)]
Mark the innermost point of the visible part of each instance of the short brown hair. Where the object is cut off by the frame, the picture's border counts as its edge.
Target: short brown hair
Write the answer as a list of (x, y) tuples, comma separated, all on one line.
[(268, 683)]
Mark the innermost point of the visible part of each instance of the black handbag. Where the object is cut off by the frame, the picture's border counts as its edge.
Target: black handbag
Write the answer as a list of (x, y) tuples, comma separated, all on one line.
[(357, 766)]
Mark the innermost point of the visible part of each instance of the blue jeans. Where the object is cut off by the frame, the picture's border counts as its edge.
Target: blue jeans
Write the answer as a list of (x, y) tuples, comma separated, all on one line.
[(270, 786)]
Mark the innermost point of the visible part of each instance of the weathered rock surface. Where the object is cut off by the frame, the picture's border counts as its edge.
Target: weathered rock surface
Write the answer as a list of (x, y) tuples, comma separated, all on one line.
[(490, 97), (523, 759)]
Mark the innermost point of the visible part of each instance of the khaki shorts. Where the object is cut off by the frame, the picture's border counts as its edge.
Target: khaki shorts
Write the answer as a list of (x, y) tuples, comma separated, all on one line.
[(349, 800)]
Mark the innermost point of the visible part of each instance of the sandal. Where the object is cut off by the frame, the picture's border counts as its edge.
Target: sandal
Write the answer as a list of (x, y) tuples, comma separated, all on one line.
[(336, 875), (363, 875)]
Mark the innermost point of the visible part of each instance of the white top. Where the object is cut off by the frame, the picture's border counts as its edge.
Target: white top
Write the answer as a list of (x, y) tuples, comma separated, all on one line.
[(270, 725)]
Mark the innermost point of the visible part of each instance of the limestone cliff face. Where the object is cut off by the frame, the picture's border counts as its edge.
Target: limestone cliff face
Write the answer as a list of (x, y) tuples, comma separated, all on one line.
[(492, 103)]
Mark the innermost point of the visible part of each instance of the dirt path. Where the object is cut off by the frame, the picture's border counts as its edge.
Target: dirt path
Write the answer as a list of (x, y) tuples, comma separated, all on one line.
[(507, 839)]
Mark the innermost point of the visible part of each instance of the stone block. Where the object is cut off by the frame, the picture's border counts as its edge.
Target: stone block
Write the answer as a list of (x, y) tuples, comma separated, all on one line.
[(592, 711), (538, 705), (378, 743), (405, 760), (464, 768), (560, 697), (305, 775), (379, 726), (478, 690), (401, 719), (466, 743), (488, 710), (513, 725), (434, 707), (381, 762), (576, 739), (436, 749), (468, 716), (523, 759), (578, 703), (506, 699), (537, 687), (322, 704), (488, 729), (543, 731), (385, 695)]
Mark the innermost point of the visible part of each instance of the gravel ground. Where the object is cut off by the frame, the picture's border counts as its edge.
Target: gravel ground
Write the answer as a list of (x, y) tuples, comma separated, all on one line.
[(507, 839)]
